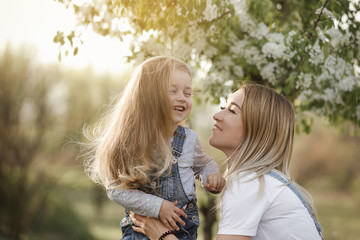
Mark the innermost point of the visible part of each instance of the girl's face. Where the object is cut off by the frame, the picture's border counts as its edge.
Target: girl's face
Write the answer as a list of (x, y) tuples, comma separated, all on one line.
[(228, 128), (180, 95)]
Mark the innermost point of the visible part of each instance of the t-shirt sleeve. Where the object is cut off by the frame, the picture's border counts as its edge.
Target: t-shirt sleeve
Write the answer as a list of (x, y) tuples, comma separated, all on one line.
[(242, 207)]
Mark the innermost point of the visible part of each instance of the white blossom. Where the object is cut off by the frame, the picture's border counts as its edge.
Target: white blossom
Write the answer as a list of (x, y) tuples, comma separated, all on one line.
[(331, 95), (325, 12), (210, 51), (274, 50), (229, 83), (290, 36), (329, 65), (316, 54), (268, 71), (225, 62), (245, 20), (261, 31), (337, 38), (304, 96), (305, 80), (253, 56), (341, 68), (275, 37), (178, 10), (347, 84), (322, 78), (210, 11), (239, 47), (321, 35), (239, 6), (238, 71)]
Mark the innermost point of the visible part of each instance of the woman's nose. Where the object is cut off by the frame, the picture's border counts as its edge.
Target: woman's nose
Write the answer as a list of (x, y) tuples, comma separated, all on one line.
[(217, 116)]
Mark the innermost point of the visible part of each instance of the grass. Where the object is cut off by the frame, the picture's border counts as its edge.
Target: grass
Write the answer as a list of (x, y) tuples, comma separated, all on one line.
[(339, 215), (91, 204), (338, 210)]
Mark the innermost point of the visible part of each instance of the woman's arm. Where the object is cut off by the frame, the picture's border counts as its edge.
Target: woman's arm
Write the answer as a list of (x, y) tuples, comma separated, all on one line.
[(232, 237), (154, 228), (151, 227)]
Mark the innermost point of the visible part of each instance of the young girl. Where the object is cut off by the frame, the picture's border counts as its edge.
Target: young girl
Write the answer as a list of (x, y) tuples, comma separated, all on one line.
[(145, 159)]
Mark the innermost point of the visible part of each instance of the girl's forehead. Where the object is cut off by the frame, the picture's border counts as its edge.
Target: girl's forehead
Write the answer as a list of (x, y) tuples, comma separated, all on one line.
[(180, 77)]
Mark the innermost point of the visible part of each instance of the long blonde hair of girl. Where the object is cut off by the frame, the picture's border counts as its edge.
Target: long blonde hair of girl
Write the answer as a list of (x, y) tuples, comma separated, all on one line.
[(130, 145), (268, 135)]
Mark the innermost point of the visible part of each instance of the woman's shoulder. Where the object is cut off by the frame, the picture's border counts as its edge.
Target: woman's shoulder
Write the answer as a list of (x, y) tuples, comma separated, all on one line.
[(242, 181), (250, 181)]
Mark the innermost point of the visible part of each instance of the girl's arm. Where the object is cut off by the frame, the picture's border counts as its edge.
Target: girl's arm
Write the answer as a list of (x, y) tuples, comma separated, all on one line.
[(137, 201), (203, 164), (148, 205)]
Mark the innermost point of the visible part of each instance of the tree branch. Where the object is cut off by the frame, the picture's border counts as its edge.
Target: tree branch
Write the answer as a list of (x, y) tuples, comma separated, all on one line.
[(216, 19), (321, 12)]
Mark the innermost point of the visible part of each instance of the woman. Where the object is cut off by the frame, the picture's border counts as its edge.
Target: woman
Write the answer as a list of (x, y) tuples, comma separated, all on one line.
[(255, 131)]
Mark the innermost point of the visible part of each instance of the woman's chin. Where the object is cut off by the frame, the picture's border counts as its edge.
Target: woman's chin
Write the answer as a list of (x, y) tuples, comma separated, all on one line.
[(212, 142)]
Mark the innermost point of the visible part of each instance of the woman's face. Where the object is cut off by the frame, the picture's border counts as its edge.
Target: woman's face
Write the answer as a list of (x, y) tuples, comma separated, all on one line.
[(228, 128)]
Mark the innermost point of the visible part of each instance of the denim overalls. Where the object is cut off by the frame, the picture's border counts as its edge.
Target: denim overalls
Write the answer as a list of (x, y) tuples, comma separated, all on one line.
[(171, 189), (285, 181)]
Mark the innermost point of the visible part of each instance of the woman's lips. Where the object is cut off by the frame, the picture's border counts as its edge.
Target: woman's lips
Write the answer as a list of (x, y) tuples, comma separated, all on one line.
[(217, 127)]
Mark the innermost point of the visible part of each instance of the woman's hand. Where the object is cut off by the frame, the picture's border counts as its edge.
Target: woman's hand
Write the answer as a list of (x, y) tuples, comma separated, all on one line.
[(151, 227), (215, 183), (170, 214)]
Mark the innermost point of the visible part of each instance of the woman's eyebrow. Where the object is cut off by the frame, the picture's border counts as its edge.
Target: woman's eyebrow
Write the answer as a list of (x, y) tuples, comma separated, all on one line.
[(232, 103)]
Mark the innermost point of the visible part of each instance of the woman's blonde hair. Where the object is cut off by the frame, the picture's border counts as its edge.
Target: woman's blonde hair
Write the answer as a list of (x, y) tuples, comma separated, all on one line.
[(131, 143), (268, 135)]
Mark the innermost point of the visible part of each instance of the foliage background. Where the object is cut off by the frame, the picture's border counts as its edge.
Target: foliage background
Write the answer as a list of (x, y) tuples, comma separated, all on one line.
[(43, 107), (307, 50)]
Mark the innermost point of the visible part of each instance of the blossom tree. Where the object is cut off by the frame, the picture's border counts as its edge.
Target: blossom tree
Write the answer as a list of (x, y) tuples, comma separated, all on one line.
[(307, 50)]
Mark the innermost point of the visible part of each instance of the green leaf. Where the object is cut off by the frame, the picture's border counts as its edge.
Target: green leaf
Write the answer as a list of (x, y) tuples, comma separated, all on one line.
[(76, 51), (325, 50)]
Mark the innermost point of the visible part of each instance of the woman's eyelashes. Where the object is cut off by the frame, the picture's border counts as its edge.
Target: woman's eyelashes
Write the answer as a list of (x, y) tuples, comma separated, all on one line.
[(229, 109)]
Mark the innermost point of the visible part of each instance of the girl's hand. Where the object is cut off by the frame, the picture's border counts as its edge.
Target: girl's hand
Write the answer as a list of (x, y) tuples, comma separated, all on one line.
[(151, 227), (170, 214), (215, 183)]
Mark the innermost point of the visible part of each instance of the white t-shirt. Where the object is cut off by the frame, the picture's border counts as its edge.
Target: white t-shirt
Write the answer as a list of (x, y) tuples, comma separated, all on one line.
[(276, 214)]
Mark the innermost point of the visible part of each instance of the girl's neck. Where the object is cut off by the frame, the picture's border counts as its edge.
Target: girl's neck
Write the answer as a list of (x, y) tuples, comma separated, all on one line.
[(175, 128)]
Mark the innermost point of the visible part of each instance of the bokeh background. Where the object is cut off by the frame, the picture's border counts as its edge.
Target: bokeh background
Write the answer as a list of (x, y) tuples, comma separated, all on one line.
[(45, 103)]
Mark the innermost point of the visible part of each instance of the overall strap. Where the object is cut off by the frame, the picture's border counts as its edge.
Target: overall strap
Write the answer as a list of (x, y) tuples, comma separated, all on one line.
[(285, 181), (178, 142)]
